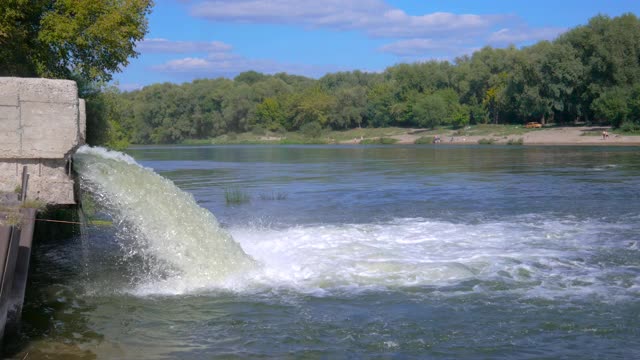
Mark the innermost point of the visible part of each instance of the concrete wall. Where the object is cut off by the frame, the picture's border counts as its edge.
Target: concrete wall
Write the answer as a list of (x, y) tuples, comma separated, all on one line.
[(42, 122)]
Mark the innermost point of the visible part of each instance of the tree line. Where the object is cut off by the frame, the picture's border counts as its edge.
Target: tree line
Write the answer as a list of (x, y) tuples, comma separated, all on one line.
[(590, 74)]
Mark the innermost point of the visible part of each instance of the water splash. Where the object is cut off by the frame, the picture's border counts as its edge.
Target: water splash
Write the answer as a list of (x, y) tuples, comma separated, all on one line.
[(178, 241)]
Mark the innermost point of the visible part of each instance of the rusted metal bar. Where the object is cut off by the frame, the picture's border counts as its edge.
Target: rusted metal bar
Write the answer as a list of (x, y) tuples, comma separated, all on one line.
[(25, 184)]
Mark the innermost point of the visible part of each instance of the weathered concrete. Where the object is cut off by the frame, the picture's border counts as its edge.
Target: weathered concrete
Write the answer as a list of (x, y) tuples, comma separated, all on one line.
[(42, 122)]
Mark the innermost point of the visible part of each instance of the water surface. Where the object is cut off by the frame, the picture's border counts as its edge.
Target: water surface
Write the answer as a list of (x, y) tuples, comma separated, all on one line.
[(470, 252)]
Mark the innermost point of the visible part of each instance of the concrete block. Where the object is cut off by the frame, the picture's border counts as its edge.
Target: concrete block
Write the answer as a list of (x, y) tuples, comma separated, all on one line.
[(47, 90), (10, 131), (82, 120), (9, 91), (8, 176), (41, 123), (51, 191), (48, 179), (49, 130)]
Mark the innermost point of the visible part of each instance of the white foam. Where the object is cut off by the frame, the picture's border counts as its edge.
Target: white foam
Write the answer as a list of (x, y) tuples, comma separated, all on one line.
[(184, 248), (532, 256), (177, 241)]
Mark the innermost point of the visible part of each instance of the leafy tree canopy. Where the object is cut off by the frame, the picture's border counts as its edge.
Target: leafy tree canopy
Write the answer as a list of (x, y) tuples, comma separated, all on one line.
[(72, 39)]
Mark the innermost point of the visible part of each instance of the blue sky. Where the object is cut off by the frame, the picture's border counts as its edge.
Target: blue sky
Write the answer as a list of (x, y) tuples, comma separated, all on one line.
[(190, 39)]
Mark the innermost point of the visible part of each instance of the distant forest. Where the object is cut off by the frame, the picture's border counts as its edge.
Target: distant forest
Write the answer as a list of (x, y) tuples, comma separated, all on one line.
[(589, 74)]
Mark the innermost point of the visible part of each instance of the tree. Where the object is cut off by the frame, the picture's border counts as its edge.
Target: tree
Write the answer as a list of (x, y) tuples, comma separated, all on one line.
[(349, 108), (270, 114), (380, 99), (310, 106), (494, 98), (70, 38), (105, 117), (613, 105), (430, 110)]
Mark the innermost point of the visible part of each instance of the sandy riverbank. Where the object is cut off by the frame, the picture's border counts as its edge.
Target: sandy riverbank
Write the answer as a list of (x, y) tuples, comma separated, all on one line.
[(584, 135)]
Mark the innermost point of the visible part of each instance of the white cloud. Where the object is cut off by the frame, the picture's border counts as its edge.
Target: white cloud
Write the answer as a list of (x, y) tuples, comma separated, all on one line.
[(374, 17), (178, 47), (524, 34), (229, 65)]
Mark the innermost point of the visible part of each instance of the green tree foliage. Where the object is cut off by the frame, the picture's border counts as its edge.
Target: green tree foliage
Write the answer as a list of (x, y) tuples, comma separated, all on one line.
[(70, 38), (591, 73), (430, 110), (81, 40), (271, 114), (348, 110), (312, 105)]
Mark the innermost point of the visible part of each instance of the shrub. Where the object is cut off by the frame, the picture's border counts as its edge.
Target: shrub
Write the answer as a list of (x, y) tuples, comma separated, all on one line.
[(424, 140), (519, 141), (630, 127), (258, 130), (311, 130), (484, 141)]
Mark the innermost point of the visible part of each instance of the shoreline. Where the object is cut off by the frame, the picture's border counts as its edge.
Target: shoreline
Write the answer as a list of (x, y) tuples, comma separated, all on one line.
[(487, 135)]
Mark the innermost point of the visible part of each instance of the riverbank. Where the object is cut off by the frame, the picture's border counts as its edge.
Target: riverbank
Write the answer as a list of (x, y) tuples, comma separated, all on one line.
[(478, 134), (582, 135)]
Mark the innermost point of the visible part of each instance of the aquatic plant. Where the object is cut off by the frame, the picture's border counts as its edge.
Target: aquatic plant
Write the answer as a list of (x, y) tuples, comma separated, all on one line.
[(485, 141), (519, 141), (235, 195), (274, 196)]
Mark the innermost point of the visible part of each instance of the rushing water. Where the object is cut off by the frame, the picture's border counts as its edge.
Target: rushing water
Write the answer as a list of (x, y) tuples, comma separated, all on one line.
[(347, 252)]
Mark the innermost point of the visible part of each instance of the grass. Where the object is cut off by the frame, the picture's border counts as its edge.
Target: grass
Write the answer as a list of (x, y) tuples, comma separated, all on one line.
[(235, 195), (294, 137), (373, 135), (12, 218), (424, 140), (494, 130), (10, 215), (34, 204), (379, 141), (363, 133)]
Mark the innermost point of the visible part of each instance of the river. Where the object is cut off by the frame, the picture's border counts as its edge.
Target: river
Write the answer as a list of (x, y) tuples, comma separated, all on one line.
[(409, 252)]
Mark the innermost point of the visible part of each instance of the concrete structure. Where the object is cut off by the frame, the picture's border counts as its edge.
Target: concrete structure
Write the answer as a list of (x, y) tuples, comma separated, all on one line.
[(42, 122)]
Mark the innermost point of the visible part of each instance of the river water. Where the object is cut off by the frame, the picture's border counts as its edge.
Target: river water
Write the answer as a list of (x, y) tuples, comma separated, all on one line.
[(465, 252)]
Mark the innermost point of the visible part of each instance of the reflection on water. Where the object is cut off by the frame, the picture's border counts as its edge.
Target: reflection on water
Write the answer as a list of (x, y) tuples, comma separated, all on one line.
[(410, 252)]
